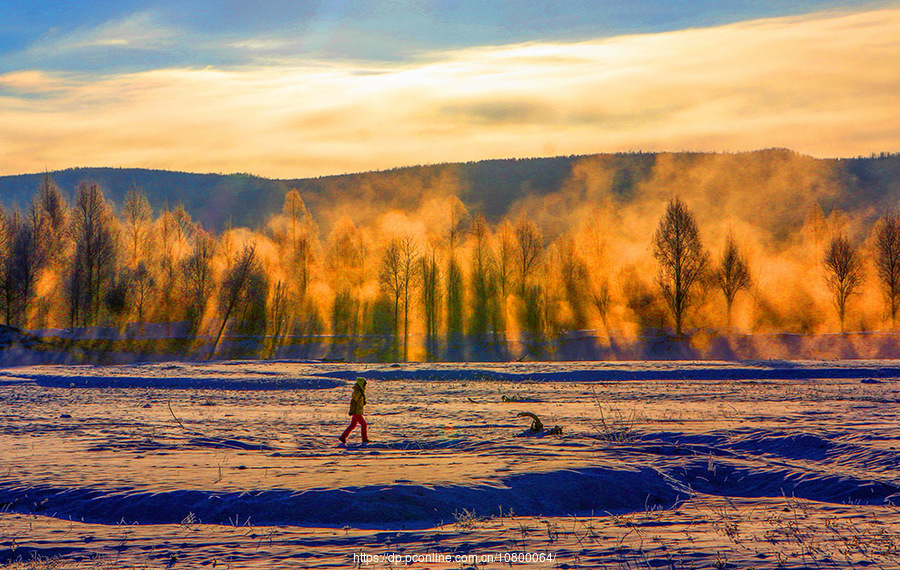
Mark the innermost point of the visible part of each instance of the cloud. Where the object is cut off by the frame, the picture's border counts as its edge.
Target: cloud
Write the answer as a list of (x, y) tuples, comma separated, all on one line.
[(31, 83), (141, 30), (501, 112), (824, 84)]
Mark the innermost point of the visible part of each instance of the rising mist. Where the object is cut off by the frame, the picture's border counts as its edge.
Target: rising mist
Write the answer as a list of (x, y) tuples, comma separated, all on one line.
[(462, 262)]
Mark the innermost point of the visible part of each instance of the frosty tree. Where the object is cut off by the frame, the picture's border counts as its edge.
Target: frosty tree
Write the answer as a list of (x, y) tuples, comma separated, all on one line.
[(887, 262), (733, 274), (844, 272), (681, 257)]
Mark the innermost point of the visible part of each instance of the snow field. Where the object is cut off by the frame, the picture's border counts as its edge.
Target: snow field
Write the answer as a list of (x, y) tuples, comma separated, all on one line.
[(658, 464)]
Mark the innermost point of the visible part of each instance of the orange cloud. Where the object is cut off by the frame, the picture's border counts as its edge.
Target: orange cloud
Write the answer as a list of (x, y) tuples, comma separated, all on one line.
[(823, 84)]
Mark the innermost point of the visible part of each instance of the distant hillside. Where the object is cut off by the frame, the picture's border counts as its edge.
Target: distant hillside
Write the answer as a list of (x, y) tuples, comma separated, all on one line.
[(247, 200), (210, 198), (779, 182)]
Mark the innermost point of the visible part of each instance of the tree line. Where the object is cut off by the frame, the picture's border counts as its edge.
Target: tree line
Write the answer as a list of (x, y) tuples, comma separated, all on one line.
[(461, 291)]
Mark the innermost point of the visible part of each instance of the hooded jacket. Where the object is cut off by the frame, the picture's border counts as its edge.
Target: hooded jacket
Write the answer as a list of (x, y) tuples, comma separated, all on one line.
[(358, 399)]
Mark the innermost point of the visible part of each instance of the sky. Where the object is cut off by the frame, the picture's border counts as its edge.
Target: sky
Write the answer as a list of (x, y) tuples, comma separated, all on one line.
[(292, 89)]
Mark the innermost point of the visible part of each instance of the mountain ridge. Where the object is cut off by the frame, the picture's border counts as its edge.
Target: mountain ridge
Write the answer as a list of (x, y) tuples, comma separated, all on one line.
[(493, 187)]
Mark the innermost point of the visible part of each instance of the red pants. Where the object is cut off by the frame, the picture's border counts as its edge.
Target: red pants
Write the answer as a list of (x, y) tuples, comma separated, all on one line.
[(356, 419)]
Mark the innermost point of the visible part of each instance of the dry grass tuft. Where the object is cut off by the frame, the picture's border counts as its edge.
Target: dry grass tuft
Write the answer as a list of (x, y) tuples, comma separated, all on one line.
[(614, 425)]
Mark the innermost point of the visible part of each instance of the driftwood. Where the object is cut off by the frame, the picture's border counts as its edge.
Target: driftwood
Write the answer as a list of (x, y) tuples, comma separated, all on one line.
[(536, 423), (537, 426)]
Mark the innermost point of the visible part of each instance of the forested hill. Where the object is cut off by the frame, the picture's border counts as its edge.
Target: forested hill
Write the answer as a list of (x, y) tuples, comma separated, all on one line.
[(212, 199), (246, 200), (495, 187)]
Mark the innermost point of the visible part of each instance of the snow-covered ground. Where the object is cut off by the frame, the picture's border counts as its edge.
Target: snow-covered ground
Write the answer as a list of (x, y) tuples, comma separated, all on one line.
[(663, 464)]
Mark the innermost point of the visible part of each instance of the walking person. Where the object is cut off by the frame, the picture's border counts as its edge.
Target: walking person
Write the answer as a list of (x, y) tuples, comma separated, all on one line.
[(357, 409)]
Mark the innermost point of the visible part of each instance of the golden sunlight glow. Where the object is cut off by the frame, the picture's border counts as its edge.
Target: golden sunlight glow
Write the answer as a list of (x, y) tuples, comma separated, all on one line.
[(825, 85)]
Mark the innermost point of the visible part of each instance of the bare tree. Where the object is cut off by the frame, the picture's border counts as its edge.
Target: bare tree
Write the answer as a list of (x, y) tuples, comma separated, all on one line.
[(397, 277), (345, 261), (279, 315), (602, 300), (506, 258), (346, 254), (35, 241), (887, 262), (530, 246), (485, 309), (429, 285), (174, 231), (51, 202), (574, 274), (456, 320), (733, 274), (250, 317), (592, 237), (297, 235), (532, 313), (8, 229), (506, 268), (54, 211), (681, 257), (553, 293), (234, 286), (456, 289), (143, 285), (93, 266), (409, 254), (391, 282), (844, 273), (29, 256), (197, 278), (42, 253), (302, 241), (137, 223)]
